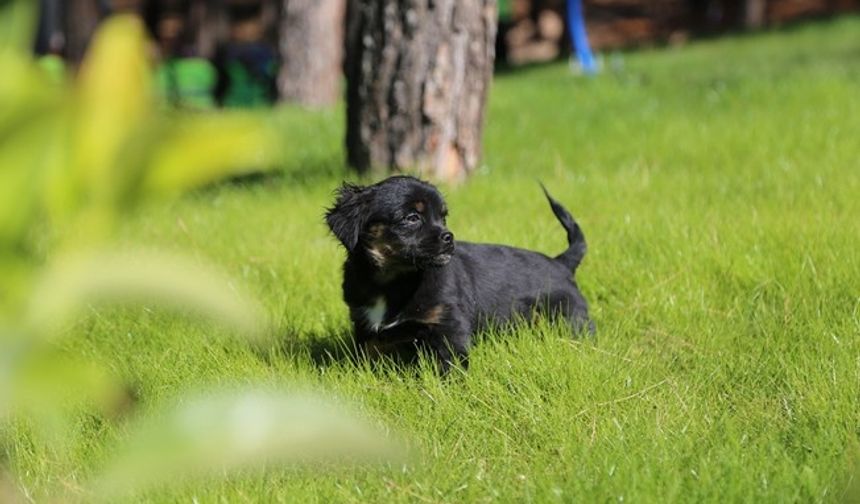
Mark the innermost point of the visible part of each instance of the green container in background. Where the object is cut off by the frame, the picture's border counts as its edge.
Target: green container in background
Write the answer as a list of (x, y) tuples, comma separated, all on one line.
[(505, 10), (187, 82)]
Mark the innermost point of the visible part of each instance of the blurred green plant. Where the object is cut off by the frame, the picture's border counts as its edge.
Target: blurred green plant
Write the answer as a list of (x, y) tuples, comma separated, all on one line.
[(208, 434), (74, 159)]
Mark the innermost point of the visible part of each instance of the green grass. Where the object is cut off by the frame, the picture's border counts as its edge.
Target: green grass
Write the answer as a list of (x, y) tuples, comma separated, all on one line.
[(718, 187)]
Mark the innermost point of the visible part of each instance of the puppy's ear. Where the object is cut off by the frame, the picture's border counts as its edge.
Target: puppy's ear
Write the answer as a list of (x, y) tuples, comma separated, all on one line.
[(349, 214)]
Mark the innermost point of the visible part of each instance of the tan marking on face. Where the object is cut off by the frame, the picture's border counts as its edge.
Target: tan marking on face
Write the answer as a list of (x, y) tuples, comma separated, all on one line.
[(376, 230), (377, 255), (377, 249), (433, 315), (420, 206)]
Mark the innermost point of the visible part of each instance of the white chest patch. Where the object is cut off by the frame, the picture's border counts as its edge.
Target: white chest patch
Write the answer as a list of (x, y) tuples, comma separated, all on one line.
[(375, 315)]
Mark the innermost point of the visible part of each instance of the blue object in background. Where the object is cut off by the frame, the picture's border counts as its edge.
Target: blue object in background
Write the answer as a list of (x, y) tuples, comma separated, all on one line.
[(579, 38)]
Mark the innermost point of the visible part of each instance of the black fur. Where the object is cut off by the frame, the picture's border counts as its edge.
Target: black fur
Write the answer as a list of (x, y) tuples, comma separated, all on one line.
[(437, 294)]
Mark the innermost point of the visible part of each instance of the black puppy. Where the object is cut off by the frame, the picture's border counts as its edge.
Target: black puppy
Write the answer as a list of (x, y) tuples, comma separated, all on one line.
[(406, 281)]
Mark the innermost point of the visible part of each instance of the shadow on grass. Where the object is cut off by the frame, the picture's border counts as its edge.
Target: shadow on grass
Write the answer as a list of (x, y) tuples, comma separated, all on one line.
[(323, 349), (305, 172), (309, 173), (338, 349)]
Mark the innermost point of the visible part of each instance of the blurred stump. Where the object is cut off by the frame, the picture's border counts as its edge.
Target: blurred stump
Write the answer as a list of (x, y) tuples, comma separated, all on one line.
[(311, 47), (82, 17)]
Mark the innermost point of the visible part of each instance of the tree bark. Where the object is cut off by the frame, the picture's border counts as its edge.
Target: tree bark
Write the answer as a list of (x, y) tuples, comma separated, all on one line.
[(82, 18), (418, 74), (311, 43), (754, 14), (207, 24)]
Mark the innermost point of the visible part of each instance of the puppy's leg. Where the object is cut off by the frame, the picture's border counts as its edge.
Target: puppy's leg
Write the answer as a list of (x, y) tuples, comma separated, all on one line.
[(572, 306), (398, 344), (450, 347)]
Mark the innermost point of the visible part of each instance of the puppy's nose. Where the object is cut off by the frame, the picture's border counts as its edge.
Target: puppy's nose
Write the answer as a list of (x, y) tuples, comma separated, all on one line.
[(447, 237)]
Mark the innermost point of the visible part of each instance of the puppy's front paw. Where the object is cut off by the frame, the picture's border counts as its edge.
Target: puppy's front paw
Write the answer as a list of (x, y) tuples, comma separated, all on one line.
[(449, 353)]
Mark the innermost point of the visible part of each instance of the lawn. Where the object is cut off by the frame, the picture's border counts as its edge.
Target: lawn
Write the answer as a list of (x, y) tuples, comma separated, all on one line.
[(717, 184)]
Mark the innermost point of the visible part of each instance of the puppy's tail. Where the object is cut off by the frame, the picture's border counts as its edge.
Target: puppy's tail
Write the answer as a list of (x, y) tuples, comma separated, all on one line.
[(576, 246)]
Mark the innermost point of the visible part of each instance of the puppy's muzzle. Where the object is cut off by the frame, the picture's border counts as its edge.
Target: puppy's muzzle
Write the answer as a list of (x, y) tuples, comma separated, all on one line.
[(441, 259), (446, 239)]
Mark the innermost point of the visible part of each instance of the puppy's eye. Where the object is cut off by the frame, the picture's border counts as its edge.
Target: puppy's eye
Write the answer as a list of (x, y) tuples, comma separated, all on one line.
[(413, 218)]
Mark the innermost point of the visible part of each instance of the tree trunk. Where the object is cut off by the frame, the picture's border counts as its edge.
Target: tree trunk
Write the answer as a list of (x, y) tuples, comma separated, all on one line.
[(754, 14), (207, 24), (418, 73), (82, 17), (311, 51)]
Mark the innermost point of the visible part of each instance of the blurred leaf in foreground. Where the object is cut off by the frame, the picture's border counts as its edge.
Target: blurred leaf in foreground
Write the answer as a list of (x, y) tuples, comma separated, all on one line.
[(38, 380), (241, 430), (207, 148), (122, 147), (17, 22), (114, 99), (143, 278), (73, 162), (9, 492)]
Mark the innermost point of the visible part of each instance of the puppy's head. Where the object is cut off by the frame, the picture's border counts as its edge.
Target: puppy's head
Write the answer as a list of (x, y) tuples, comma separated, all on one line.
[(398, 223)]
